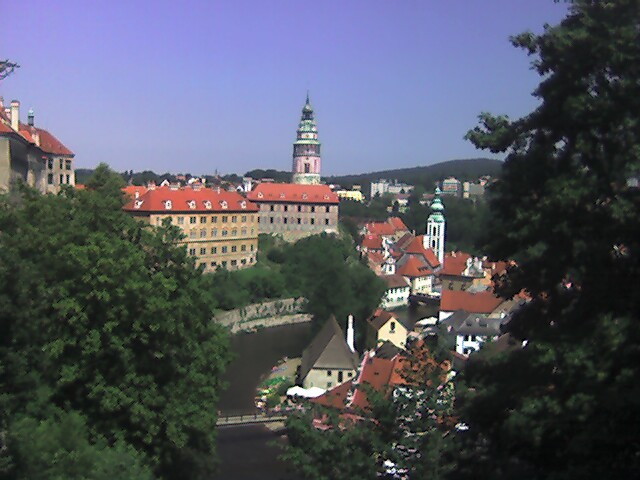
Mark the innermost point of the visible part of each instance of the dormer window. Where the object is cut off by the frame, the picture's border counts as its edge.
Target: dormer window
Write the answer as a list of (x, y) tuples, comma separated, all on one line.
[(138, 203), (282, 195), (167, 205), (243, 204), (207, 204), (223, 204), (192, 204), (304, 196), (260, 195), (326, 197)]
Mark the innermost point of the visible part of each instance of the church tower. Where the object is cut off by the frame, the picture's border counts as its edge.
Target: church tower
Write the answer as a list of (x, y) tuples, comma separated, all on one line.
[(306, 149), (434, 238)]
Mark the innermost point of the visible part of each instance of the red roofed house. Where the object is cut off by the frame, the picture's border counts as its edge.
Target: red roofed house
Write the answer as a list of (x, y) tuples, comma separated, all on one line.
[(462, 271), (485, 302), (387, 327), (392, 229), (31, 154), (220, 228), (295, 210)]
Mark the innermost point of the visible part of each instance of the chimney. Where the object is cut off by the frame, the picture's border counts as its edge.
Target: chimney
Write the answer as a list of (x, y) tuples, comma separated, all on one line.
[(30, 120), (15, 115), (1, 102), (350, 333)]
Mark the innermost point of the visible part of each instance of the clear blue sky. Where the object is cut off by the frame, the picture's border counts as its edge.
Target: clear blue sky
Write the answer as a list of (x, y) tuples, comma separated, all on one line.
[(194, 86)]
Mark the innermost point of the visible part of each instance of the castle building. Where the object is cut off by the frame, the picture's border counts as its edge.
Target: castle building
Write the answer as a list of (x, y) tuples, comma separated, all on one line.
[(306, 149), (295, 211), (31, 154), (220, 228)]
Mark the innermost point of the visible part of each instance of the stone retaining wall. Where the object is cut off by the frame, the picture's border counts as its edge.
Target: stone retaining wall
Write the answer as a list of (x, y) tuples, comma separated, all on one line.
[(266, 314)]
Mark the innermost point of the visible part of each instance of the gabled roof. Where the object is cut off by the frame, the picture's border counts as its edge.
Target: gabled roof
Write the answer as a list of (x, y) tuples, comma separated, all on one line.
[(336, 397), (375, 257), (380, 317), (416, 246), (50, 144), (134, 191), (372, 242), (47, 142), (390, 226), (481, 302), (203, 200), (395, 281), (328, 349), (473, 324), (397, 223), (387, 350), (292, 193), (454, 263), (413, 267)]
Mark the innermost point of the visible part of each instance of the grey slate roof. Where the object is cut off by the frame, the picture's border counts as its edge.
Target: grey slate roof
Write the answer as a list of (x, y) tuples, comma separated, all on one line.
[(464, 323), (328, 349)]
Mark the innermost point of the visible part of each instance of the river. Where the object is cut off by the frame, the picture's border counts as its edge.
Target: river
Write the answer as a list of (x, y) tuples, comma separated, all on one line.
[(250, 452)]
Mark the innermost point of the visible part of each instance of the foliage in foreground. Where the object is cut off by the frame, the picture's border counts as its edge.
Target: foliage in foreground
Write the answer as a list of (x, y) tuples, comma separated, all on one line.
[(568, 404), (105, 318)]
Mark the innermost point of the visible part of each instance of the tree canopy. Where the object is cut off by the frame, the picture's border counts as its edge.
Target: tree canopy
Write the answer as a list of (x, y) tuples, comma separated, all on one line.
[(568, 404), (104, 317)]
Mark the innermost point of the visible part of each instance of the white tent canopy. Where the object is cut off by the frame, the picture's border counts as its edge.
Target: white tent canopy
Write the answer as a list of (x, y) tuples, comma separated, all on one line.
[(312, 392)]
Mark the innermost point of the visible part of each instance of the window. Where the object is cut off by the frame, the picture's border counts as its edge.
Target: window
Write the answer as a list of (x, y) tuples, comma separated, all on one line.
[(326, 221), (251, 260), (313, 221), (192, 251), (234, 249), (243, 232), (214, 219), (50, 164), (225, 219), (258, 219), (203, 233), (393, 327), (329, 384), (285, 220), (61, 165), (272, 208), (234, 263), (350, 374), (203, 251), (203, 219), (313, 209), (224, 249), (234, 232), (270, 219), (299, 208), (244, 218), (243, 261), (50, 179), (328, 373), (192, 220), (192, 233), (214, 250), (224, 263), (286, 208), (234, 218), (328, 209), (224, 233), (243, 248), (61, 179), (252, 231), (213, 264), (340, 376), (214, 232), (180, 220), (252, 247), (67, 164), (299, 221)]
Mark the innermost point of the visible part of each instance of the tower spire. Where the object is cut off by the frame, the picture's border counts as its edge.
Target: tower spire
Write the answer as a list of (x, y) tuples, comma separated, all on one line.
[(436, 224), (306, 148)]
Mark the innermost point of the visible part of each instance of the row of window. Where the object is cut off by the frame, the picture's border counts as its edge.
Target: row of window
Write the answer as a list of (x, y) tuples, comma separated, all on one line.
[(295, 221), (214, 219), (64, 164), (224, 263), (223, 249), (300, 208), (193, 233), (63, 179)]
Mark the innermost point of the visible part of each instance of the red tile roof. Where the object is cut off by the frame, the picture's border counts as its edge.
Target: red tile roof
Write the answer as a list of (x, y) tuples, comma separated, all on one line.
[(481, 302), (132, 190), (414, 268), (375, 258), (292, 193), (389, 227), (372, 242), (336, 397), (416, 246), (454, 263), (189, 200), (50, 144)]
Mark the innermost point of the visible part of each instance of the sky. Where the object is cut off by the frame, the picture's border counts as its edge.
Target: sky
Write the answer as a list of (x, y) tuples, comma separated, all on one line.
[(198, 86)]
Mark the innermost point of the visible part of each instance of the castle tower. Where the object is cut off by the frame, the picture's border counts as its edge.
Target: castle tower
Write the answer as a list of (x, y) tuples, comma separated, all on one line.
[(306, 149), (434, 238)]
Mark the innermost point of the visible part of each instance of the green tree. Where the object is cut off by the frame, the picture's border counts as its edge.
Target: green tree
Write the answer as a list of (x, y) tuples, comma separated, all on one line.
[(104, 316), (567, 405)]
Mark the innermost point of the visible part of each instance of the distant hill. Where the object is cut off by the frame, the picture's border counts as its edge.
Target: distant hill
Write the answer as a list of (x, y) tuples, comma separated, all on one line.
[(464, 170)]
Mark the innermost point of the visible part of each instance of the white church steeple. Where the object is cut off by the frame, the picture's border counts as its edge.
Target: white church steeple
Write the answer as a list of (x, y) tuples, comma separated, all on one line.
[(434, 237)]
